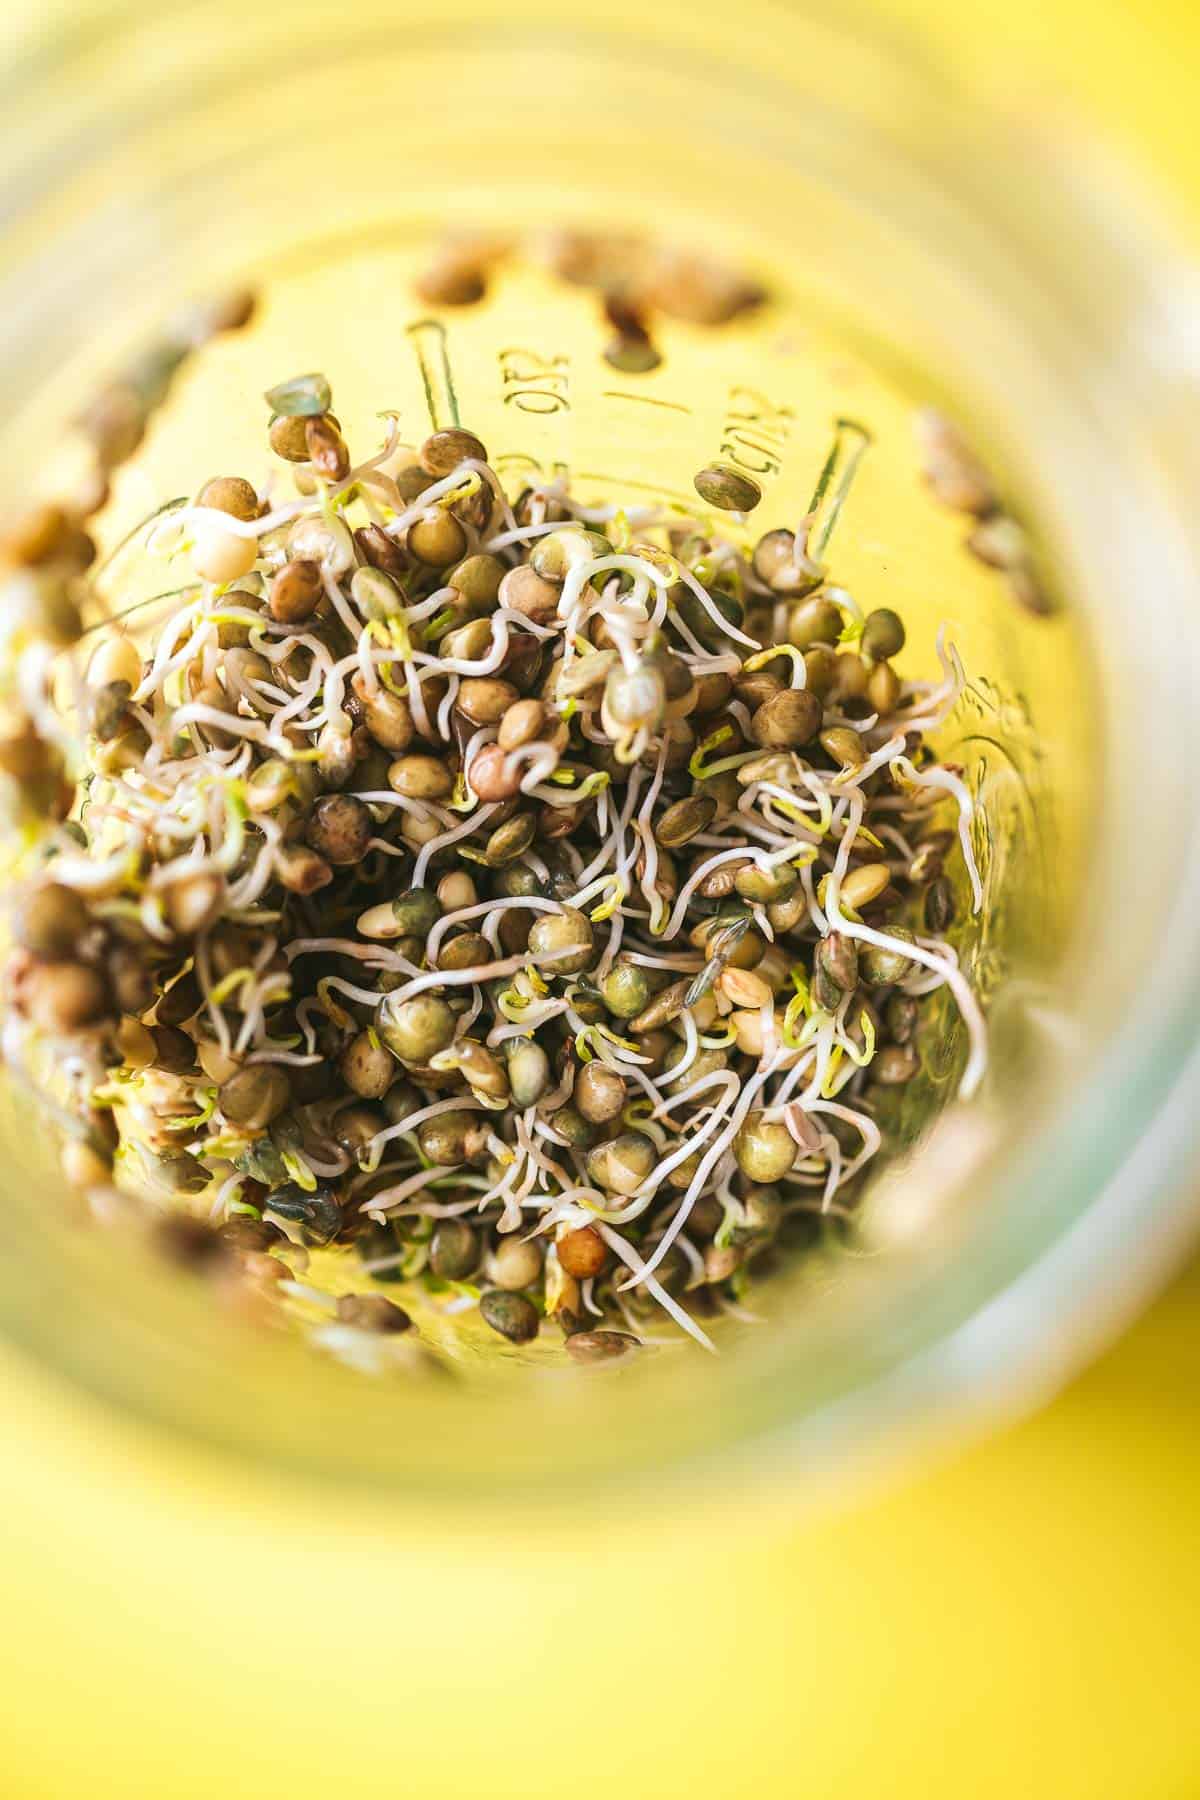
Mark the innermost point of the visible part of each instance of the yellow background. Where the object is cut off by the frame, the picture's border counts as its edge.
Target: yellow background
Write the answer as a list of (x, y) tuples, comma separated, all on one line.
[(1018, 1621)]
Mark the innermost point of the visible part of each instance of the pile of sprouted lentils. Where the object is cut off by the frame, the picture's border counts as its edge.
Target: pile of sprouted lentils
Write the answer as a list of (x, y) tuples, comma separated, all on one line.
[(533, 896)]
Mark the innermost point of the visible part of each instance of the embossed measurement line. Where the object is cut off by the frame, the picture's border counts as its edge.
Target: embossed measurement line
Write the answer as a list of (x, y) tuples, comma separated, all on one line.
[(647, 400), (428, 337), (687, 501), (756, 431), (850, 444), (534, 383), (519, 462)]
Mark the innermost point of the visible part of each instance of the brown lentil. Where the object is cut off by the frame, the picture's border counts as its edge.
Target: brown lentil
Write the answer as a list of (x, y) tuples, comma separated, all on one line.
[(721, 485), (50, 920), (443, 451), (600, 1092), (229, 494), (788, 719), (421, 777), (599, 1346), (63, 996), (295, 591), (436, 539), (526, 592), (326, 451), (490, 776), (582, 1252), (372, 1312), (254, 1096), (340, 829), (366, 1067), (485, 700), (379, 550), (513, 1316)]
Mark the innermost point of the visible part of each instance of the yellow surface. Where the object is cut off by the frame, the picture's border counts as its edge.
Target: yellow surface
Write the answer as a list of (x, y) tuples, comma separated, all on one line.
[(1020, 1621), (1017, 1623)]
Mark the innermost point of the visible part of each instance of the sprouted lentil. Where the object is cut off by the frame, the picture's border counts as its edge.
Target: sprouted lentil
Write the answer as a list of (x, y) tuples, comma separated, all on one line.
[(638, 280), (539, 911), (957, 476)]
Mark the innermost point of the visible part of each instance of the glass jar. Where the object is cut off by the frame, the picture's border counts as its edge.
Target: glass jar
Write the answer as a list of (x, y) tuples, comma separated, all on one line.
[(913, 251)]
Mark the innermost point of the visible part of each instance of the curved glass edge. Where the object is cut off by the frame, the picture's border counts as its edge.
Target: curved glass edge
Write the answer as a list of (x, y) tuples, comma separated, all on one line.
[(1119, 1202)]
